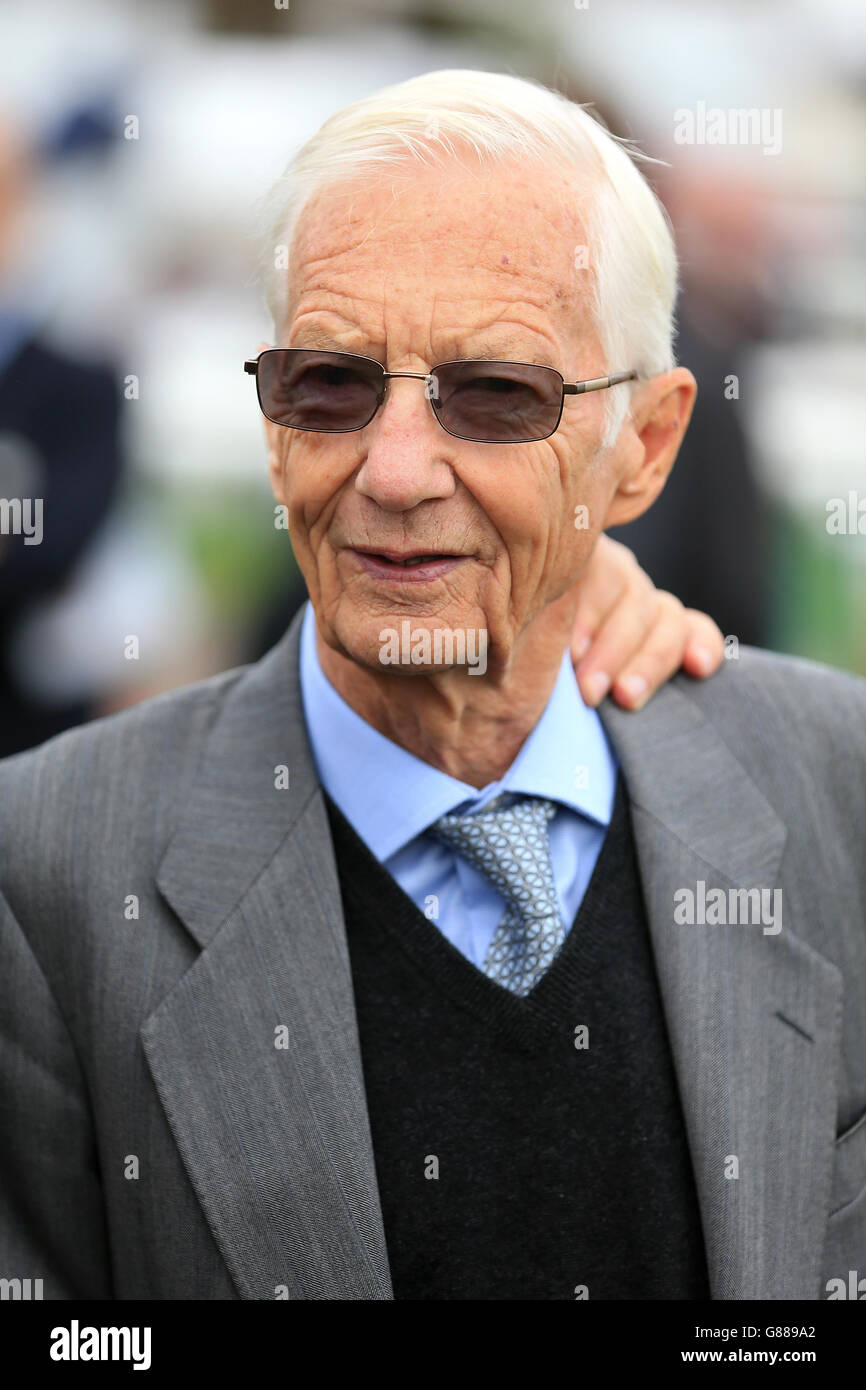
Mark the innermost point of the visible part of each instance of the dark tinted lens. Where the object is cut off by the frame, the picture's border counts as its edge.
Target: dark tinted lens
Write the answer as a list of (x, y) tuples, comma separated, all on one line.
[(498, 402), (325, 391)]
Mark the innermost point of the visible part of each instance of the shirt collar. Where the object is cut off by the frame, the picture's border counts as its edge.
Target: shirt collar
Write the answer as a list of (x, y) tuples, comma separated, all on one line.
[(389, 796)]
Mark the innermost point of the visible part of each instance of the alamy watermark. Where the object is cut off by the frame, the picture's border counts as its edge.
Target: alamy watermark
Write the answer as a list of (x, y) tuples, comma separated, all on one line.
[(854, 1287), (444, 646), (22, 516), (846, 516), (713, 125), (702, 906), (20, 1290), (77, 1343)]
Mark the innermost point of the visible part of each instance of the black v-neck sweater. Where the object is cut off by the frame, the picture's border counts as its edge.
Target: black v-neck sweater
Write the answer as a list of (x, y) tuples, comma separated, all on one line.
[(513, 1164)]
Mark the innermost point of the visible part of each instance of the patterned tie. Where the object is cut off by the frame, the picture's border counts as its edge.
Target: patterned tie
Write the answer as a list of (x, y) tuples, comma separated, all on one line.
[(509, 844)]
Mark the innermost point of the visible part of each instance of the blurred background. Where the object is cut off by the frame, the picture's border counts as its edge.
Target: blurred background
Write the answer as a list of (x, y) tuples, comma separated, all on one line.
[(135, 142)]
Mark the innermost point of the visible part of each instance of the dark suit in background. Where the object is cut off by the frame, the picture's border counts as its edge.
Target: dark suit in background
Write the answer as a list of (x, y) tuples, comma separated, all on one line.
[(705, 538), (62, 416)]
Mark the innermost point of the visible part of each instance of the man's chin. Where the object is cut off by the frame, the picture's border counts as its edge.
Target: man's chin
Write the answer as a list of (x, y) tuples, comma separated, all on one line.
[(400, 645)]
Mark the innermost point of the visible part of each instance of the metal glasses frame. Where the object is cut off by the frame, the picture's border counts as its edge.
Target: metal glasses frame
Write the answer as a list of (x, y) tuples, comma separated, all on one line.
[(569, 388)]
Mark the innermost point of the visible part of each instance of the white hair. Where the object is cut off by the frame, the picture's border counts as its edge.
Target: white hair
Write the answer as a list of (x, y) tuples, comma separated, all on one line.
[(631, 258)]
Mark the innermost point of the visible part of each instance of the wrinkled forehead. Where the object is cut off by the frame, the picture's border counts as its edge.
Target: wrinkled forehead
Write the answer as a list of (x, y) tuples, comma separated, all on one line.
[(459, 242)]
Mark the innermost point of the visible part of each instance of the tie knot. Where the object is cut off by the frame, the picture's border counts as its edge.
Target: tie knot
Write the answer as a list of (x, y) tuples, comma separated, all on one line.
[(510, 845)]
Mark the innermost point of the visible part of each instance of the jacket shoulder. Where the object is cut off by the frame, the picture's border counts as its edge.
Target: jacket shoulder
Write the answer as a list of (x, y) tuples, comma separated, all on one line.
[(134, 758), (797, 726), (780, 689)]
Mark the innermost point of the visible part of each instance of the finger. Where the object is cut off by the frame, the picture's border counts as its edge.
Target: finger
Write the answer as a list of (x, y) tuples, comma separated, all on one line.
[(705, 645), (658, 657), (621, 634)]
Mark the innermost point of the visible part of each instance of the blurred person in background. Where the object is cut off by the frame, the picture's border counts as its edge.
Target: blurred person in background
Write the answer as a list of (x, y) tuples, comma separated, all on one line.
[(706, 539), (60, 448)]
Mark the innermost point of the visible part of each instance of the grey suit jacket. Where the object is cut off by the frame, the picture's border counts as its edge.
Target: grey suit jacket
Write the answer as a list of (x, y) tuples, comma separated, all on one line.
[(170, 919)]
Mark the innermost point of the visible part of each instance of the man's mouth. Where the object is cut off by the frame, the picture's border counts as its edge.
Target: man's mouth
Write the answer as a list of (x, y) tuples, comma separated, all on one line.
[(417, 565)]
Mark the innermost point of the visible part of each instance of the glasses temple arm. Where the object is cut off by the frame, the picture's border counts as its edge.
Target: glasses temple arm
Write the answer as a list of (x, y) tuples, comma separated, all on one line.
[(598, 383)]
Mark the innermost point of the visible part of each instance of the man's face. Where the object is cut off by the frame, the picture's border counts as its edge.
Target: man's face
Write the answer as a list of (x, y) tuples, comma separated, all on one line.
[(416, 272)]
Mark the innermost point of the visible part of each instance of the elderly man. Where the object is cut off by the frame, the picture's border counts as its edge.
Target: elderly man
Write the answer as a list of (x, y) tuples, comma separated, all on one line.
[(388, 967)]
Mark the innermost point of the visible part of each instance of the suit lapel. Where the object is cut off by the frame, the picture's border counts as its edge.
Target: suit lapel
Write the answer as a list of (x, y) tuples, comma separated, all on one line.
[(753, 1017), (255, 1052)]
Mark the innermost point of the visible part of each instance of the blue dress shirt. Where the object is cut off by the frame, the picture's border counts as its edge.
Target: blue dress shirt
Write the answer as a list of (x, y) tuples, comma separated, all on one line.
[(390, 797), (16, 329)]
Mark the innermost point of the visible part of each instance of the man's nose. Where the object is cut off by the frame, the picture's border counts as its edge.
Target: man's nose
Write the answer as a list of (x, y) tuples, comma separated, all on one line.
[(406, 459)]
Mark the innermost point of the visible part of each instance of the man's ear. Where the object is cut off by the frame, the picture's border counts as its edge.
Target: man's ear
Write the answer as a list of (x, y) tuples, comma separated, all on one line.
[(660, 414)]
